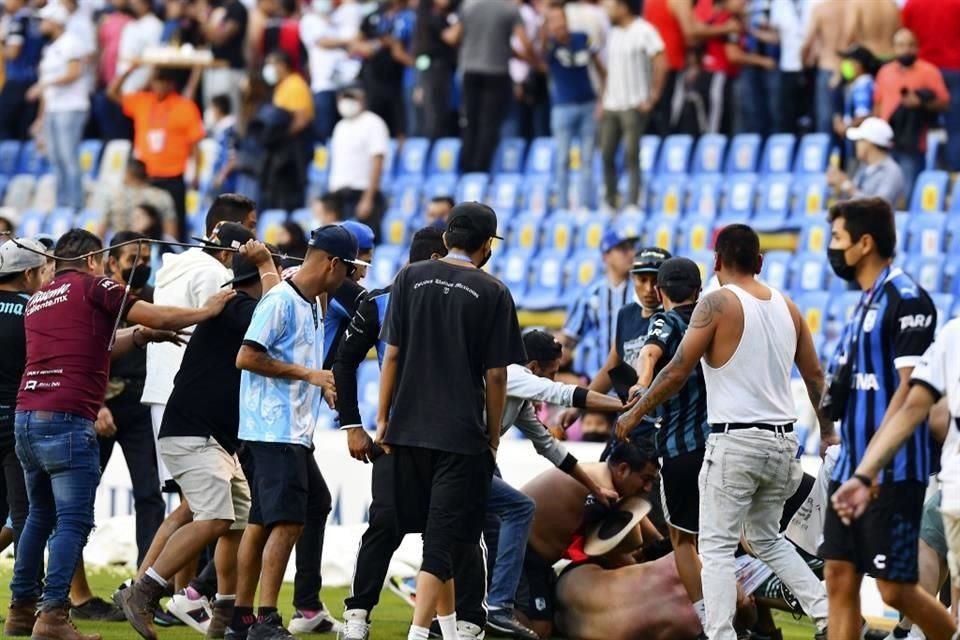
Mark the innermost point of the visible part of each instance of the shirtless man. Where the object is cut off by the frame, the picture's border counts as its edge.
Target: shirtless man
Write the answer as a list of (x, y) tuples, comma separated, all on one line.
[(825, 38), (871, 24)]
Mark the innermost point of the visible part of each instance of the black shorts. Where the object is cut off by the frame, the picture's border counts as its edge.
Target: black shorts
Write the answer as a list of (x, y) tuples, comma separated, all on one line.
[(884, 541), (680, 490), (439, 493), (537, 593), (280, 483)]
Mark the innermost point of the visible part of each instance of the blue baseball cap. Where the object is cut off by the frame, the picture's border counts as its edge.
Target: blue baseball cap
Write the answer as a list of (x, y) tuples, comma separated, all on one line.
[(612, 238), (361, 232), (337, 241)]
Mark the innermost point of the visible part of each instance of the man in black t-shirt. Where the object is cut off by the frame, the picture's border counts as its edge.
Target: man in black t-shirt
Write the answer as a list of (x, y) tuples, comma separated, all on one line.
[(226, 30), (451, 331), (198, 443)]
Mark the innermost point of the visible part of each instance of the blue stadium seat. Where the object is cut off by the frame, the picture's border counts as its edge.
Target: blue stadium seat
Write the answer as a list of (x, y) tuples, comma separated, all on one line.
[(809, 197), (9, 157), (269, 223), (775, 194), (778, 153), (524, 234), (630, 225), (590, 230), (944, 302), (559, 233), (304, 218), (31, 161), (813, 154), (901, 220), (387, 260), (510, 156), (954, 200), (58, 222), (90, 157), (927, 236), (406, 196), (319, 169), (809, 272), (90, 220), (776, 268), (709, 153), (814, 238), (414, 154), (661, 232), (515, 273), (444, 157), (667, 195), (541, 158), (953, 236), (31, 224), (649, 150), (841, 309), (546, 286), (744, 153), (674, 155), (472, 187), (929, 192), (536, 194), (368, 390), (436, 186), (505, 193), (740, 196), (696, 234), (705, 261), (585, 267), (705, 192), (929, 272), (813, 307), (4, 181), (395, 228)]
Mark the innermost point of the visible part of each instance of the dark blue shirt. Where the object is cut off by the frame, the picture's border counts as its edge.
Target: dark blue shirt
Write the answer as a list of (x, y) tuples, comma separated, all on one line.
[(891, 328), (570, 70), (631, 332), (24, 29)]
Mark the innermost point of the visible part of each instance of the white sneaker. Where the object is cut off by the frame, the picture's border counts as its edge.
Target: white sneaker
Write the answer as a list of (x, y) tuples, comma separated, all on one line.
[(469, 631), (193, 613), (355, 625), (322, 622)]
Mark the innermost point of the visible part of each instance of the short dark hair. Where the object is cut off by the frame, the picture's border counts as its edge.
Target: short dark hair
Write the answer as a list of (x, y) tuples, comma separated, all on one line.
[(5, 224), (868, 216), (465, 239), (425, 243), (281, 56), (119, 238), (137, 169), (222, 102), (678, 292), (634, 6), (447, 200), (332, 203), (164, 74), (228, 207), (738, 246), (636, 455), (74, 243), (155, 230)]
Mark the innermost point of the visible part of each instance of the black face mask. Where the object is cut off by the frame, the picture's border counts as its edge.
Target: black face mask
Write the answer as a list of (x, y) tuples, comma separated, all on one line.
[(838, 263), (485, 260), (137, 277), (594, 436), (907, 59)]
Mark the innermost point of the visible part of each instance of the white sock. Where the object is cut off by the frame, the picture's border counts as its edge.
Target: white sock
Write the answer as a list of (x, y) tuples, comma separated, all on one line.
[(418, 633), (224, 596), (448, 626), (700, 610), (156, 577)]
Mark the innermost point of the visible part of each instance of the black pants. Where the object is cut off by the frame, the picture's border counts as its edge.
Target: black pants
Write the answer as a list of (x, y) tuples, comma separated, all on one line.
[(348, 199), (177, 189), (485, 106), (16, 112), (135, 437), (437, 83), (307, 581)]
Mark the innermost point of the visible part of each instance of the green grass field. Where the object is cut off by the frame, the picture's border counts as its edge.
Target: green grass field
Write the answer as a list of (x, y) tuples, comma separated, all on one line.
[(390, 619)]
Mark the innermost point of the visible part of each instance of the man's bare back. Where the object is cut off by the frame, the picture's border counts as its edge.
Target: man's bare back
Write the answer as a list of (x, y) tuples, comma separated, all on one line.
[(872, 23), (826, 33)]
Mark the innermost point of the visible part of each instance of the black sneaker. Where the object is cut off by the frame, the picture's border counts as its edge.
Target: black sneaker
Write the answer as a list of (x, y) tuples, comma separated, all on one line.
[(504, 622), (97, 609), (230, 634), (270, 628)]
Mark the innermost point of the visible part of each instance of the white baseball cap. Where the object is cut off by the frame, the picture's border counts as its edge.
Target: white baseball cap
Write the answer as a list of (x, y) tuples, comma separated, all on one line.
[(874, 130), (16, 256)]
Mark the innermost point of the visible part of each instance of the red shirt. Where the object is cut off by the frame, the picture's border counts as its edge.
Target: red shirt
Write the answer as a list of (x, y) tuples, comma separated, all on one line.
[(68, 325), (715, 57), (936, 23), (658, 13)]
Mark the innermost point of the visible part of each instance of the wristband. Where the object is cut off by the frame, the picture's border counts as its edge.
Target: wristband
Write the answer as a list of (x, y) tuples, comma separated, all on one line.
[(580, 397), (867, 482)]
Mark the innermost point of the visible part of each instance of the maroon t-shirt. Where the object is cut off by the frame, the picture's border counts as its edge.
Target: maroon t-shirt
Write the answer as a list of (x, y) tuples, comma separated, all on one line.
[(68, 325)]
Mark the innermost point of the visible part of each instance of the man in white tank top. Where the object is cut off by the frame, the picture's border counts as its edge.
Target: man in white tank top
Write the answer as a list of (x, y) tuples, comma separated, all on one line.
[(749, 337)]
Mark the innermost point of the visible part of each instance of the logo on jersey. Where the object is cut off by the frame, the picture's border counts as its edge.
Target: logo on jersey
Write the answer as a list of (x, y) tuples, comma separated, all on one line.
[(869, 320), (880, 561), (865, 382), (540, 604), (917, 321)]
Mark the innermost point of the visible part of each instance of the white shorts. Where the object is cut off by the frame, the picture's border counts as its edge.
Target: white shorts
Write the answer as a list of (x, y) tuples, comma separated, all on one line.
[(211, 480)]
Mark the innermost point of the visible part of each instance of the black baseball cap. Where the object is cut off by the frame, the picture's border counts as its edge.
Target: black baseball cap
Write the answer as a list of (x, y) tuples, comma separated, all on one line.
[(244, 270), (337, 241), (861, 54), (649, 260), (474, 217), (227, 235), (679, 272), (540, 345)]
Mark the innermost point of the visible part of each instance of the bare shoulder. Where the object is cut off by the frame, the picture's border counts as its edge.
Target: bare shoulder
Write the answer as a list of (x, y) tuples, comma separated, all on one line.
[(711, 307)]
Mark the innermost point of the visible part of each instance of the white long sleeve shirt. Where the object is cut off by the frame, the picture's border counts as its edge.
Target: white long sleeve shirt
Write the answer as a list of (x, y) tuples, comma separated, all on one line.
[(523, 389)]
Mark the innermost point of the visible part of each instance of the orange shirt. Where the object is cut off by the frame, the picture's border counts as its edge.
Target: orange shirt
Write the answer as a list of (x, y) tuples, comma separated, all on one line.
[(893, 77), (164, 131)]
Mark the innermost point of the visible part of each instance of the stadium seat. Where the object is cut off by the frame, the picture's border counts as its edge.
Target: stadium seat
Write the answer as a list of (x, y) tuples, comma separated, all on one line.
[(45, 193), (559, 232), (813, 305), (740, 196), (58, 222), (927, 271), (304, 218), (708, 155), (953, 236), (705, 192), (31, 224), (413, 157), (113, 161), (515, 273), (209, 154), (814, 238), (577, 201), (445, 157), (320, 165), (406, 196), (368, 388), (744, 153), (809, 272), (812, 155), (809, 197), (524, 235), (585, 267), (590, 230), (649, 148), (472, 187), (944, 302), (696, 234), (504, 193), (395, 228), (674, 155), (929, 192), (667, 195), (509, 156), (19, 191), (927, 236), (546, 286), (776, 269), (661, 232), (541, 157), (778, 154), (705, 261), (630, 225), (269, 224), (436, 186), (9, 157), (841, 309), (90, 220), (90, 157), (901, 220), (31, 161), (536, 194), (387, 260), (775, 194)]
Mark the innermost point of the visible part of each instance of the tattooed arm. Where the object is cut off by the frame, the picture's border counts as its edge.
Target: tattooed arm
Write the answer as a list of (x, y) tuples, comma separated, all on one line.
[(809, 366), (703, 327)]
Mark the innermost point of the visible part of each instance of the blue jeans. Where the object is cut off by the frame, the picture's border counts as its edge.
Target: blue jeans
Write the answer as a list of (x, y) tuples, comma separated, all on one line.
[(515, 511), (823, 103), (566, 122), (61, 463), (912, 164), (952, 118), (64, 132), (325, 115)]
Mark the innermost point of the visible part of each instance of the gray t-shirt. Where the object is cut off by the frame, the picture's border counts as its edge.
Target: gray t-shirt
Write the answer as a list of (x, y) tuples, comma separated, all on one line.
[(487, 27)]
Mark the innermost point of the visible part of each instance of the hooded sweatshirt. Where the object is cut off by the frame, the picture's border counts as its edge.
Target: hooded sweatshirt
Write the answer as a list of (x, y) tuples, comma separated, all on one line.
[(184, 280)]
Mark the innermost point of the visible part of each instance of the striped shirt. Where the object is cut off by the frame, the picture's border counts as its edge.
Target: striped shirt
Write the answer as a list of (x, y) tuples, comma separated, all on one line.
[(592, 321), (683, 418), (630, 50), (891, 329)]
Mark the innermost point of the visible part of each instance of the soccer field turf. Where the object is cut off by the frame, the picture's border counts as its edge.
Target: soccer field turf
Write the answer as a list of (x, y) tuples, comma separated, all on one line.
[(390, 618)]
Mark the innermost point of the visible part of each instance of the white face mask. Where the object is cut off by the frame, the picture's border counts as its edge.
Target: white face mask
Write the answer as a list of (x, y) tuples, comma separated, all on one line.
[(348, 107), (322, 6), (269, 74)]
